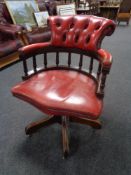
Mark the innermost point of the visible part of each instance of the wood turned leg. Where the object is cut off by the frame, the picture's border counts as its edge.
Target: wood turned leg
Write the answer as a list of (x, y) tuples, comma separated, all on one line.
[(34, 126), (65, 139), (93, 123)]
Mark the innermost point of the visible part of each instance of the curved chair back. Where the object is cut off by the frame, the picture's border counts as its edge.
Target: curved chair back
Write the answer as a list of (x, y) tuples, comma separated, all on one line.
[(81, 34)]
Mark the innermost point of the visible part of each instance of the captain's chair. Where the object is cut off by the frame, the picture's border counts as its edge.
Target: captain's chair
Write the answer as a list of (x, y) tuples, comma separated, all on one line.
[(67, 93)]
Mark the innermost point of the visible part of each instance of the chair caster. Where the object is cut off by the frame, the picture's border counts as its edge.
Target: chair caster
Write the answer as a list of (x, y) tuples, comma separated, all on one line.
[(65, 154), (29, 131), (30, 135)]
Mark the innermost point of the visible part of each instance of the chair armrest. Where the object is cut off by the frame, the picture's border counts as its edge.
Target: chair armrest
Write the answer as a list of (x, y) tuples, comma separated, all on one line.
[(105, 59), (9, 32), (11, 29), (32, 49), (38, 35)]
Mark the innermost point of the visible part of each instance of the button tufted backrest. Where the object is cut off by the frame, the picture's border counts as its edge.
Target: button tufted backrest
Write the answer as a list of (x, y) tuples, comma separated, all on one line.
[(80, 31)]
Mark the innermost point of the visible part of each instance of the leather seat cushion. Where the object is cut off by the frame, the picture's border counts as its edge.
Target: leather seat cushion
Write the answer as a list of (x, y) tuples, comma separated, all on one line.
[(61, 92)]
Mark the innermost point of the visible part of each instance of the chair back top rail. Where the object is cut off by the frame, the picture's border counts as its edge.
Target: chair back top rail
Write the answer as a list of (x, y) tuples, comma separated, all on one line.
[(50, 49)]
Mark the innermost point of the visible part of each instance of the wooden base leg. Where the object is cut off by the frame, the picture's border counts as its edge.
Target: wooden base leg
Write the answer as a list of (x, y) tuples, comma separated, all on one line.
[(93, 123), (34, 126), (65, 139)]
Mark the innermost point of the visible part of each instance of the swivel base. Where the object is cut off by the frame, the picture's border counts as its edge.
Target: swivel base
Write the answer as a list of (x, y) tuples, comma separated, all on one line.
[(63, 120)]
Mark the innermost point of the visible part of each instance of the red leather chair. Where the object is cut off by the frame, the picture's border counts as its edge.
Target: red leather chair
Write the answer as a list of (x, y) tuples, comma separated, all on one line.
[(64, 92), (10, 41)]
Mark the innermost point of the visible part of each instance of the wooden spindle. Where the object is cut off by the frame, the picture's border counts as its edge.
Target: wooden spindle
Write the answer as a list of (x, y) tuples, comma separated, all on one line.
[(25, 67), (91, 66), (101, 83), (103, 80), (69, 59), (81, 61), (57, 58), (34, 64), (99, 71), (45, 59)]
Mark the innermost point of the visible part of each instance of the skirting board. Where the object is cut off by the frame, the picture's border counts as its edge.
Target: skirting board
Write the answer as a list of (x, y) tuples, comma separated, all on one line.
[(9, 60)]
